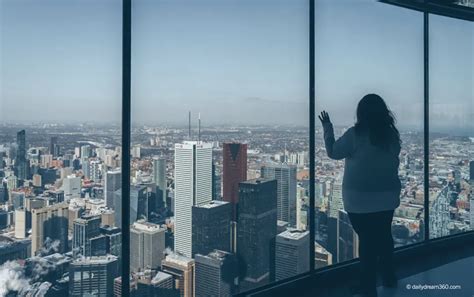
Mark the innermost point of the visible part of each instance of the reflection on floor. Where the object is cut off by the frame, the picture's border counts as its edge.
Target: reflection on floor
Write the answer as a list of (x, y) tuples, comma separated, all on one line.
[(453, 279)]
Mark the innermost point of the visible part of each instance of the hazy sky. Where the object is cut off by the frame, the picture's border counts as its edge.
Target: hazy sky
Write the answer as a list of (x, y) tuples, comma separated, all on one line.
[(231, 60)]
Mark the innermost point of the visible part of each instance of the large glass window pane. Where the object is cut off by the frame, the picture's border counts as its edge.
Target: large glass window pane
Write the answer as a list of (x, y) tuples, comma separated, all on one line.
[(60, 100), (451, 170), (377, 48), (220, 101)]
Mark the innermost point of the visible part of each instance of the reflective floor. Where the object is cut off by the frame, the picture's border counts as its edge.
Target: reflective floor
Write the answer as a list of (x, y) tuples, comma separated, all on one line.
[(453, 279), (438, 272)]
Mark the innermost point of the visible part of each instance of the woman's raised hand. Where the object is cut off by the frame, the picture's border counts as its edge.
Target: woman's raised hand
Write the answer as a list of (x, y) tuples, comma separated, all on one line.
[(324, 117)]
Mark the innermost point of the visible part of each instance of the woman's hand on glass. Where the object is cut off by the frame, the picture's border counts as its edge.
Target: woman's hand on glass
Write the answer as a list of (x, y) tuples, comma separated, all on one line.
[(324, 117)]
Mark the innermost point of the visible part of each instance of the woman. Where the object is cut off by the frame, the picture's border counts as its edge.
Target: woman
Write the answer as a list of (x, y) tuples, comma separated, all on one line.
[(371, 187)]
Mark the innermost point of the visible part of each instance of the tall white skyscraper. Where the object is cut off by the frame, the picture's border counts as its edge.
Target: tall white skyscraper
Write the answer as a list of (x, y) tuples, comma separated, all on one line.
[(285, 175), (193, 186)]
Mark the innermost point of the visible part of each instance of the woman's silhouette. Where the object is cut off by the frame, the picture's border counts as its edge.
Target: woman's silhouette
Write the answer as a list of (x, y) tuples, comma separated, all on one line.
[(371, 187)]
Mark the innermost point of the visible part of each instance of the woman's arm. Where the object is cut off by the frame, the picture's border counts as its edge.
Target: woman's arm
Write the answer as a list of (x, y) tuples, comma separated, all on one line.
[(340, 148)]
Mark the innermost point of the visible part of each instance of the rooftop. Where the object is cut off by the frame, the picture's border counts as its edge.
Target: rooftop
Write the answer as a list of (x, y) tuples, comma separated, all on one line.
[(212, 204)]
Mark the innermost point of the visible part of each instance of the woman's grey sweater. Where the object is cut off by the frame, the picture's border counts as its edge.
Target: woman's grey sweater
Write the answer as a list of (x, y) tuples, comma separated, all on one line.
[(371, 182)]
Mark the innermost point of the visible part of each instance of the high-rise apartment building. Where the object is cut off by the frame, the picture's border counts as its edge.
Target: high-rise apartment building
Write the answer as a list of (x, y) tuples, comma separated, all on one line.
[(193, 186), (95, 170)]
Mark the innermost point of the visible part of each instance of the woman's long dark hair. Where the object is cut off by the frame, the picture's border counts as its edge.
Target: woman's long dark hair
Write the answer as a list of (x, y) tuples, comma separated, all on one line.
[(374, 117)]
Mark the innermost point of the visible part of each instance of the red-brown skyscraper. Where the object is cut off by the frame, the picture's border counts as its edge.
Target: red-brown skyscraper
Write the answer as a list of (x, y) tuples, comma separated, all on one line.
[(234, 172)]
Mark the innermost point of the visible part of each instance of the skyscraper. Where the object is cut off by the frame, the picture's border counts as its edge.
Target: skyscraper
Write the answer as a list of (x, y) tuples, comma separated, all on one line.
[(193, 186), (93, 276), (182, 270), (216, 183), (215, 274), (471, 213), (322, 257), (54, 147), (439, 214), (335, 202), (163, 285), (21, 165), (46, 160), (234, 172), (147, 244), (471, 201), (113, 182), (86, 151), (50, 224), (138, 204), (211, 227), (95, 170), (85, 231), (291, 253), (21, 225), (113, 239), (159, 178), (285, 175), (256, 231), (347, 239), (72, 187)]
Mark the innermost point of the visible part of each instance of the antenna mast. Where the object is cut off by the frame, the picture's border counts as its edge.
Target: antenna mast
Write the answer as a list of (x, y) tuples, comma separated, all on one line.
[(189, 125), (199, 127)]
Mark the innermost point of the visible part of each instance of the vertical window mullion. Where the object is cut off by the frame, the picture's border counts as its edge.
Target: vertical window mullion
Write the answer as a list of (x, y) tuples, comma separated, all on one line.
[(126, 119), (426, 123), (312, 148)]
